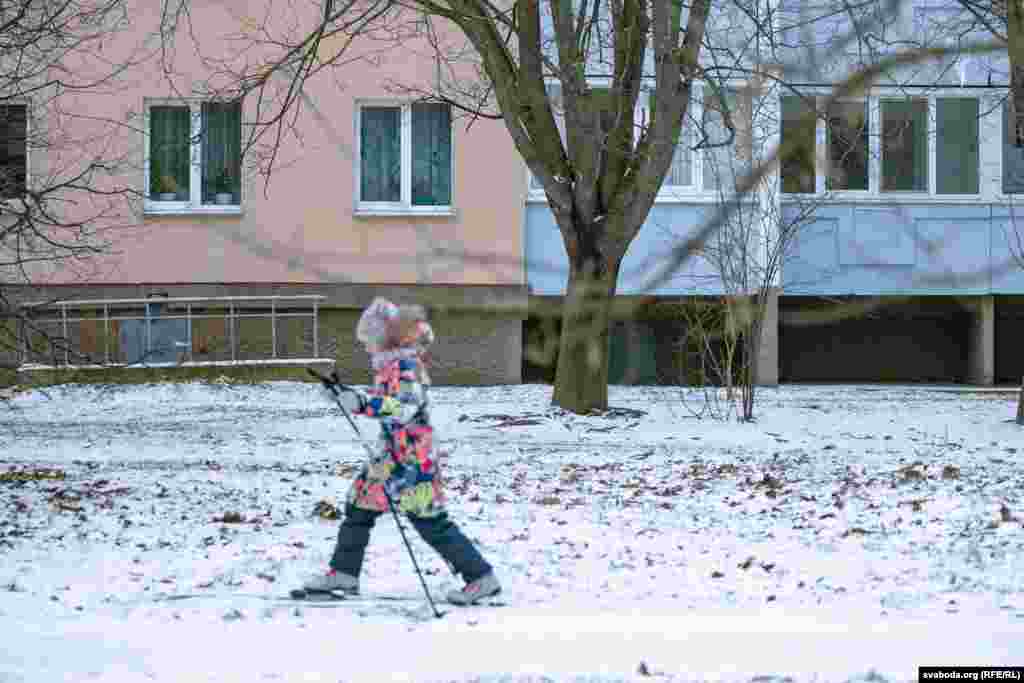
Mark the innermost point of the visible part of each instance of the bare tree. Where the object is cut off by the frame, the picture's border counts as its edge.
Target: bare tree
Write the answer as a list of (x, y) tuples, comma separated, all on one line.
[(54, 154), (601, 183), (600, 172)]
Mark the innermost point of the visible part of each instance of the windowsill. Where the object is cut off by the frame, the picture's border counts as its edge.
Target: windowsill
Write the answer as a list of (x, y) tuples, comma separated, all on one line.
[(680, 196), (1008, 198), (887, 198), (403, 211), (188, 209)]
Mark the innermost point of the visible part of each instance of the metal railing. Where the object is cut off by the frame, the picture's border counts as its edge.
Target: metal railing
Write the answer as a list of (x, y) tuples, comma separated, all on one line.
[(235, 308)]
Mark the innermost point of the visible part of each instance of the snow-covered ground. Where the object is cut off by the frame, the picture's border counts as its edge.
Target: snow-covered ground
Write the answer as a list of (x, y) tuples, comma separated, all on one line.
[(851, 533)]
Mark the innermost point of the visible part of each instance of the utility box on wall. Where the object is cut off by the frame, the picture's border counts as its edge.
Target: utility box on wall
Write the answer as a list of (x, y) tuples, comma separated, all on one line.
[(155, 338)]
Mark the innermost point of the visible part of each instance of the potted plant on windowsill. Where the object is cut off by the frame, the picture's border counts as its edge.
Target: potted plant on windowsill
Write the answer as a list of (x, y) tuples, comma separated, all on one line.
[(168, 188), (224, 188), (163, 185)]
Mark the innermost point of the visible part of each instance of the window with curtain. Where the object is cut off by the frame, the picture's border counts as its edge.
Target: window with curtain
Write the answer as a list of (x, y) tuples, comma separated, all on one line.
[(195, 155), (904, 145), (170, 133), (728, 153), (221, 141), (13, 150), (380, 154), (956, 145), (797, 168), (847, 142), (431, 155), (405, 156)]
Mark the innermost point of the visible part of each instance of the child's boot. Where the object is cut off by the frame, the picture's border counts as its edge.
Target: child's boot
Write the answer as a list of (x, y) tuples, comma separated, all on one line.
[(475, 591), (332, 582)]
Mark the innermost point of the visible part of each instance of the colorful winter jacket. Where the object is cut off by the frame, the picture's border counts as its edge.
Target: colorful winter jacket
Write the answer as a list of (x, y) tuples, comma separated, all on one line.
[(405, 455)]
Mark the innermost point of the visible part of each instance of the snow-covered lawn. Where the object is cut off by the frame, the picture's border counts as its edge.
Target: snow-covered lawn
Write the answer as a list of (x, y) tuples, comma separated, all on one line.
[(851, 533)]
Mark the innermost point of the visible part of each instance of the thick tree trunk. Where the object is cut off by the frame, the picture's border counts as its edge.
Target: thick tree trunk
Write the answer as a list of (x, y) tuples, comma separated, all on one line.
[(581, 380)]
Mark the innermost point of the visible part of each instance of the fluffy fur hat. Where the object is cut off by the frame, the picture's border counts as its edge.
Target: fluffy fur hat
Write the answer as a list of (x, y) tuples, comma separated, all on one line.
[(382, 321)]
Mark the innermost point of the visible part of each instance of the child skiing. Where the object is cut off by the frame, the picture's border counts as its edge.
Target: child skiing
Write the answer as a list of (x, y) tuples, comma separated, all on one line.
[(404, 468)]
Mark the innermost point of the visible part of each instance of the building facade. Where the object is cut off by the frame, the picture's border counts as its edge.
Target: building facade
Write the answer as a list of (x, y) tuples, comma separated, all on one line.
[(371, 194), (896, 228), (890, 246)]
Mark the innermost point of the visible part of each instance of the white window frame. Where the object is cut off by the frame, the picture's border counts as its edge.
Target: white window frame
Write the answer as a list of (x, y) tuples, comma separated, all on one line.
[(403, 207), (668, 193), (718, 194), (874, 194), (874, 168), (931, 124), (194, 204), (19, 101)]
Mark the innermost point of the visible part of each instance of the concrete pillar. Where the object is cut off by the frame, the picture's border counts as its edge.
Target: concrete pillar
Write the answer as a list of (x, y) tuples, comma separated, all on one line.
[(981, 342), (768, 355)]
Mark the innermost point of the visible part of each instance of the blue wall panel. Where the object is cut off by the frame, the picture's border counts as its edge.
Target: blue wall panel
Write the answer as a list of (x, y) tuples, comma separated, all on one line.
[(667, 225), (1007, 239), (953, 254), (844, 249)]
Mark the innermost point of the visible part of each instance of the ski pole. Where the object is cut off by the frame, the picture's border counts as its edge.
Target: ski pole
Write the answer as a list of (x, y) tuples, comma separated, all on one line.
[(391, 503)]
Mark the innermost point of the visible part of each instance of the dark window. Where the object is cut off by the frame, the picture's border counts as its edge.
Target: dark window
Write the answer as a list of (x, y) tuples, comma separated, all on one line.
[(905, 146), (13, 158), (956, 145), (847, 133), (798, 137)]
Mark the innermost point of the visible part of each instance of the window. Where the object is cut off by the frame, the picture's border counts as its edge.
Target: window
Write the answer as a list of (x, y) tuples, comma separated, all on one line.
[(956, 145), (405, 158), (847, 142), (680, 173), (799, 121), (693, 171), (919, 137), (1013, 150), (727, 138), (904, 145), (13, 150), (194, 156)]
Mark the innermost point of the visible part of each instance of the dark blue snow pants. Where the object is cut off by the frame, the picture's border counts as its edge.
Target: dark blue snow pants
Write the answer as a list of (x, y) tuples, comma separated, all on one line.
[(439, 532)]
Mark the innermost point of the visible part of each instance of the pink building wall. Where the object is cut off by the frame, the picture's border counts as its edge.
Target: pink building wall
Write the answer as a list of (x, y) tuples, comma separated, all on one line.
[(302, 228)]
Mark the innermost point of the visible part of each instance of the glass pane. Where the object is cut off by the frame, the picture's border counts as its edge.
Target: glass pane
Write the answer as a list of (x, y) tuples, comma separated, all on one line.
[(13, 166), (798, 130), (905, 146), (222, 156), (1013, 151), (431, 155), (380, 154), (727, 154), (680, 173), (956, 145), (170, 130), (847, 131)]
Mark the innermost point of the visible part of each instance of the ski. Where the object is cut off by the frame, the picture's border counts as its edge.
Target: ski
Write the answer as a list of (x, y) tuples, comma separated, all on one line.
[(299, 596), (303, 595), (296, 595)]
